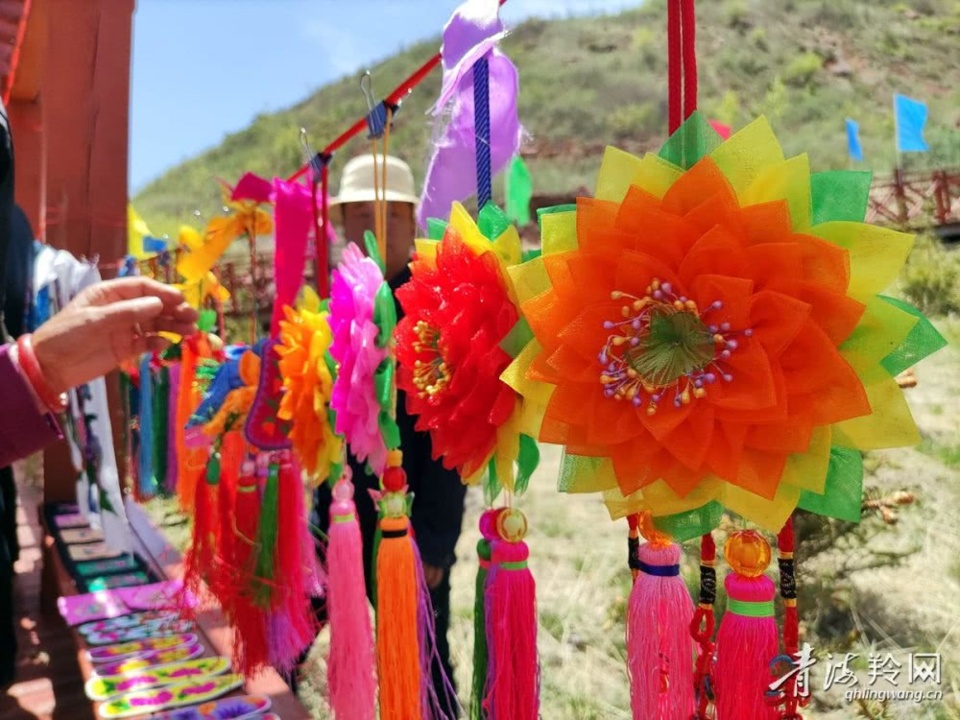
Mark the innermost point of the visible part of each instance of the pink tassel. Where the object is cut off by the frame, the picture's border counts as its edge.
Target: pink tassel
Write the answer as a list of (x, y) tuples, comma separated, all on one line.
[(659, 647), (351, 666), (513, 674), (747, 640)]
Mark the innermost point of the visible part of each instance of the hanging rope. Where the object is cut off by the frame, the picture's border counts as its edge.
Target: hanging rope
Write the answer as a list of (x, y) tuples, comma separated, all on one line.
[(481, 119), (681, 62)]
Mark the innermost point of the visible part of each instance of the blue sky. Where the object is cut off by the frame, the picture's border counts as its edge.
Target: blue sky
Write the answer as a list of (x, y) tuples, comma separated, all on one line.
[(205, 68)]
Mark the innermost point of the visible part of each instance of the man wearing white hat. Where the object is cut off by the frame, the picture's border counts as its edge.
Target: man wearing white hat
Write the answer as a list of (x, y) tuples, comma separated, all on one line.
[(438, 493)]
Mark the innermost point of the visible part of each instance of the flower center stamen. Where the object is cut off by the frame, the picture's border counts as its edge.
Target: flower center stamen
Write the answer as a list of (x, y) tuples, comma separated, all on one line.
[(664, 346), (431, 374)]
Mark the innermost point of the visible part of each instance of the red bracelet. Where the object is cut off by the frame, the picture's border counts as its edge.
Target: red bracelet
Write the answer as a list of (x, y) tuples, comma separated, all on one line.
[(31, 368)]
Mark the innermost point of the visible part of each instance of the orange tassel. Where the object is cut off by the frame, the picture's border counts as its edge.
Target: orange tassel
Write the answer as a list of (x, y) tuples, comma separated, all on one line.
[(398, 647)]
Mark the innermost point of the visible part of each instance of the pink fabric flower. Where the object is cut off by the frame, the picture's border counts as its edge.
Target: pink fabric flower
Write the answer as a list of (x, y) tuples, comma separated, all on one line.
[(353, 292)]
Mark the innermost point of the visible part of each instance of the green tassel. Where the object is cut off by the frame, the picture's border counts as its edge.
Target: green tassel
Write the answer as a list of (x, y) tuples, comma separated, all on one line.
[(266, 542), (161, 400), (480, 635)]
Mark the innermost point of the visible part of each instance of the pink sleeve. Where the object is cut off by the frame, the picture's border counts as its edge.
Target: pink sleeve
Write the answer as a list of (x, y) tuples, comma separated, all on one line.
[(24, 428)]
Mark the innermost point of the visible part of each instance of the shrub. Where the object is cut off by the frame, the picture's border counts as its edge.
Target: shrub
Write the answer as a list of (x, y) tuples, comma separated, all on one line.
[(931, 279), (801, 71)]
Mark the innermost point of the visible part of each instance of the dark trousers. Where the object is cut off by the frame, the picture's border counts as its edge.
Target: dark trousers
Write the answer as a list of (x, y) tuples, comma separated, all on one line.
[(9, 550)]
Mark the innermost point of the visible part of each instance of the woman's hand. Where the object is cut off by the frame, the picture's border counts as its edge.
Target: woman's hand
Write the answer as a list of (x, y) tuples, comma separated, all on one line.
[(106, 324)]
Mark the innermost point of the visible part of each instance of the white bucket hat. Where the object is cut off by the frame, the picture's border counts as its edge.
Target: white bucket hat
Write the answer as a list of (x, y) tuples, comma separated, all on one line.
[(356, 183)]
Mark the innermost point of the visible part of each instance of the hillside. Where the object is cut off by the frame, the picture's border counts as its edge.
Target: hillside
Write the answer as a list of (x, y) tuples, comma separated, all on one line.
[(586, 82)]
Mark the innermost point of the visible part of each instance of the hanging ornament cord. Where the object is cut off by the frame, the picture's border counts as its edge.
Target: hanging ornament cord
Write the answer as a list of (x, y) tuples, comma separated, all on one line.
[(681, 61), (633, 545), (323, 235), (791, 622), (703, 626), (481, 120)]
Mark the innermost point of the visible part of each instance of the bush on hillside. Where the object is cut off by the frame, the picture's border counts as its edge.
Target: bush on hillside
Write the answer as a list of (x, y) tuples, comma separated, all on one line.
[(931, 279)]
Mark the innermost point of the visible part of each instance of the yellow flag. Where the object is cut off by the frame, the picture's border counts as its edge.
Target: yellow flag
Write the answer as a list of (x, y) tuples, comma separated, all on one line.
[(136, 230)]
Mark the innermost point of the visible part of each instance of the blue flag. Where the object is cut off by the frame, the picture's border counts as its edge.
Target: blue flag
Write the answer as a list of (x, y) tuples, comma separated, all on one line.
[(853, 141), (909, 116)]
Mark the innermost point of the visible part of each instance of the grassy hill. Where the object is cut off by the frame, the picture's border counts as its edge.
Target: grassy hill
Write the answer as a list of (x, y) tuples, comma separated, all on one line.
[(587, 82)]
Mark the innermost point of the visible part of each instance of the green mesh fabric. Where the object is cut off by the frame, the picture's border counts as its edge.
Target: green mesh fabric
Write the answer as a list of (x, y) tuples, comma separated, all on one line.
[(491, 484), (517, 339), (527, 460), (691, 142), (574, 466), (436, 228), (519, 189), (373, 249), (922, 341), (492, 221), (839, 195), (161, 399), (843, 493), (691, 524)]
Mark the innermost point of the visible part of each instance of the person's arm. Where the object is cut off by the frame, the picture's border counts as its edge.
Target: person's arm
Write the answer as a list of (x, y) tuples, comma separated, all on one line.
[(26, 426)]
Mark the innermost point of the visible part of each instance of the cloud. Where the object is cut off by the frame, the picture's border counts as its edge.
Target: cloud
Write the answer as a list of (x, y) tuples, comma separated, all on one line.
[(341, 48)]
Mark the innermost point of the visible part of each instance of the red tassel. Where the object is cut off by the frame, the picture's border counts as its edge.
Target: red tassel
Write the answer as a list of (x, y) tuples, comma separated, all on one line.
[(789, 699), (747, 639), (702, 627), (293, 625), (513, 672), (200, 555)]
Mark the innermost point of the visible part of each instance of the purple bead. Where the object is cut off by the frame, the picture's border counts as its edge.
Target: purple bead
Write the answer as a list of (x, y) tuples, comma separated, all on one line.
[(717, 305), (725, 354), (602, 357), (667, 287), (727, 377), (636, 401), (748, 332), (713, 329), (710, 377), (635, 341), (732, 344), (657, 295), (698, 383), (607, 325), (683, 298), (635, 324), (608, 392), (724, 326), (655, 397)]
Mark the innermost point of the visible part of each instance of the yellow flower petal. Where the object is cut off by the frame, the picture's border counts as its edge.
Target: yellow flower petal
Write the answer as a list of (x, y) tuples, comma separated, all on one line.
[(529, 279), (536, 394), (876, 254), (891, 423), (558, 232), (788, 180), (656, 175), (617, 171), (768, 514), (808, 471), (746, 153)]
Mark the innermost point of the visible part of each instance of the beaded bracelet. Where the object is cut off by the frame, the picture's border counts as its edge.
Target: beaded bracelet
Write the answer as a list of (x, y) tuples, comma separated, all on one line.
[(57, 403)]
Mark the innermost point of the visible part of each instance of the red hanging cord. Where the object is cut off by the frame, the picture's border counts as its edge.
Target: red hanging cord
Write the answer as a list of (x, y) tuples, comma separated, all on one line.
[(674, 66), (688, 21), (681, 61)]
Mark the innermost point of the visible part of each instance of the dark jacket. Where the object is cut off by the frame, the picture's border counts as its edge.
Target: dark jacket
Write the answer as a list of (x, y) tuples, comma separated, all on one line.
[(438, 493)]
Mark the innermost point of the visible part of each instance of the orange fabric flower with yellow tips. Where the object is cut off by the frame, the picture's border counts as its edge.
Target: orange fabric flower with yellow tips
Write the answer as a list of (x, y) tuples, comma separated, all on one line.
[(712, 334), (307, 371)]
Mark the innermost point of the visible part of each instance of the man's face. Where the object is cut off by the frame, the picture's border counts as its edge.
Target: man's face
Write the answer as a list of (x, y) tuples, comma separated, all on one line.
[(401, 230)]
